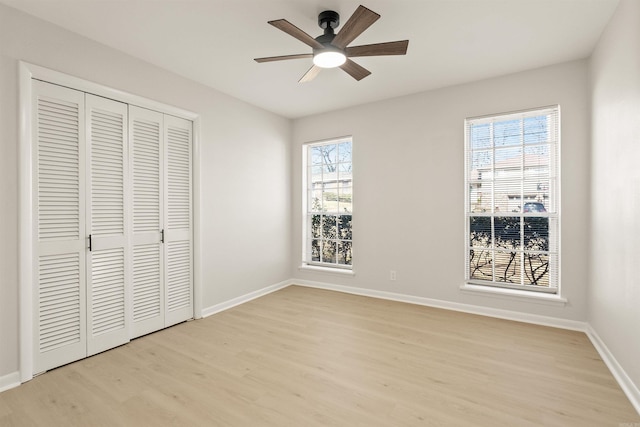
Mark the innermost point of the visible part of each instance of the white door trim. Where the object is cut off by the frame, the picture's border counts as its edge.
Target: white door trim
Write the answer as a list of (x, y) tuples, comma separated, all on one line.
[(27, 72)]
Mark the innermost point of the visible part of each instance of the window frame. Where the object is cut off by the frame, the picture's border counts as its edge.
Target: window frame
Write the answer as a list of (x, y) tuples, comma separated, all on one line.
[(553, 249), (308, 213)]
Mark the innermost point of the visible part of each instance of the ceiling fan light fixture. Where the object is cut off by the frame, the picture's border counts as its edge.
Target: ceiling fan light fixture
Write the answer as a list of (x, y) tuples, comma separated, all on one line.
[(329, 58)]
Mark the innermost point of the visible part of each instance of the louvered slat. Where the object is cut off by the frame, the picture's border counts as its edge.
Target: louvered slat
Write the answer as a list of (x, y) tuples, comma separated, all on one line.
[(58, 169), (107, 172), (178, 275), (108, 291), (146, 282), (58, 301), (179, 178), (146, 176)]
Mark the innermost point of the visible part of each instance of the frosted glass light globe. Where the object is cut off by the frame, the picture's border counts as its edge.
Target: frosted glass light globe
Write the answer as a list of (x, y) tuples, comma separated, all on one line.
[(329, 59)]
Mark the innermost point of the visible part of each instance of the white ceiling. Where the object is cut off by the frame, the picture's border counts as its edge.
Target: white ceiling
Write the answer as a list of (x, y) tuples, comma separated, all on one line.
[(451, 42)]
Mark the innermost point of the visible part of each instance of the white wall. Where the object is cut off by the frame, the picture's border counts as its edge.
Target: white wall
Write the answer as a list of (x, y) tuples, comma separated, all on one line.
[(244, 163), (408, 154), (614, 286)]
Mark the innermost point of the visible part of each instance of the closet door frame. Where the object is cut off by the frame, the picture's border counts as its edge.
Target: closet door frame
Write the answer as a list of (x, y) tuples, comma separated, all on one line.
[(27, 251)]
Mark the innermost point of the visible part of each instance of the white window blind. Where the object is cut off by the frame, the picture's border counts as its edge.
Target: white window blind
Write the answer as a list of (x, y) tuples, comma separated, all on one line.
[(328, 235), (512, 168)]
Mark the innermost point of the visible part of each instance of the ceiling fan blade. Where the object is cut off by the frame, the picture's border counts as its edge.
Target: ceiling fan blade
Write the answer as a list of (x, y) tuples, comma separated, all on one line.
[(310, 75), (292, 30), (356, 71), (361, 19), (284, 57), (389, 48)]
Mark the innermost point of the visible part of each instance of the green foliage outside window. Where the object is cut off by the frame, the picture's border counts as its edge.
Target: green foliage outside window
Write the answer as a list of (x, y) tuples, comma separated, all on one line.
[(509, 250)]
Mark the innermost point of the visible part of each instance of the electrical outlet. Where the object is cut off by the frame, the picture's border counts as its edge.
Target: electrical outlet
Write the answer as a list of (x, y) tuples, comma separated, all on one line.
[(392, 275)]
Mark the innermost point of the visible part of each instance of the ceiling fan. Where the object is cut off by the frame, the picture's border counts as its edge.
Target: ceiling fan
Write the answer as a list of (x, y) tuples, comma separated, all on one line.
[(331, 50)]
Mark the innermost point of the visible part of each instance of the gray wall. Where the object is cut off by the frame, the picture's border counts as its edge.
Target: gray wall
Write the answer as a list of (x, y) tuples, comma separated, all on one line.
[(245, 197), (409, 185), (614, 281)]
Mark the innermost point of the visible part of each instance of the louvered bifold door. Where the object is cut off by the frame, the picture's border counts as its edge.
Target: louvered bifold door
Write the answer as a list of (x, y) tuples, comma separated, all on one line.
[(178, 221), (59, 239), (146, 155), (108, 258)]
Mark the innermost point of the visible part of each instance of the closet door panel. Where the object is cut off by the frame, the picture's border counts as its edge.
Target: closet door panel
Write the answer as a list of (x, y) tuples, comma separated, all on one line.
[(146, 140), (108, 259), (178, 207), (60, 244), (112, 226)]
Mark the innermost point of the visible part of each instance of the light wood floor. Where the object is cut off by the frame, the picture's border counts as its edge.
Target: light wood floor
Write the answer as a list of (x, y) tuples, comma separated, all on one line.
[(307, 357)]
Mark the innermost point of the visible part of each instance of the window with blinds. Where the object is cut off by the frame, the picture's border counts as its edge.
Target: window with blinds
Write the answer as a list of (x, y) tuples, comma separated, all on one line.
[(512, 168), (328, 207)]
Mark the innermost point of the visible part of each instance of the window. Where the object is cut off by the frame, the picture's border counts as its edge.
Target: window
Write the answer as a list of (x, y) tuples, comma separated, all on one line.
[(512, 200), (328, 236)]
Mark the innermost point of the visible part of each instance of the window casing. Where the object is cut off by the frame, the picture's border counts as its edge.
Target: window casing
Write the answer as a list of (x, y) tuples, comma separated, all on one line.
[(328, 204), (512, 180)]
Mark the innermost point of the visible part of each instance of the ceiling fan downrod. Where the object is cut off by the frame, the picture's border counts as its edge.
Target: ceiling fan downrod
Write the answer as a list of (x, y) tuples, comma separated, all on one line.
[(328, 21)]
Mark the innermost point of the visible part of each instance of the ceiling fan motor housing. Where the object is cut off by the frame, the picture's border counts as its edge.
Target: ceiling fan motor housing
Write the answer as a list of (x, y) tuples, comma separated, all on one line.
[(328, 19)]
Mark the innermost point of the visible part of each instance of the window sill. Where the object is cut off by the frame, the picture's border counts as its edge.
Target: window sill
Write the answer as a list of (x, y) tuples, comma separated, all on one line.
[(537, 297), (326, 270)]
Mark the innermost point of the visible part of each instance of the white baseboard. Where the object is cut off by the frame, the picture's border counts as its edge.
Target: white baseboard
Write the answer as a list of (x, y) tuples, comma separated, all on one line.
[(627, 385), (466, 308), (206, 312), (9, 381)]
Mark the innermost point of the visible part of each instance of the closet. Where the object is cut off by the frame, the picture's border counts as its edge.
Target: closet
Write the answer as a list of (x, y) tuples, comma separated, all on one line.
[(112, 206)]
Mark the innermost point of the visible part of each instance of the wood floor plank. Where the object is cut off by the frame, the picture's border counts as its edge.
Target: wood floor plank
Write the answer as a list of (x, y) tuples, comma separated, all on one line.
[(310, 357)]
